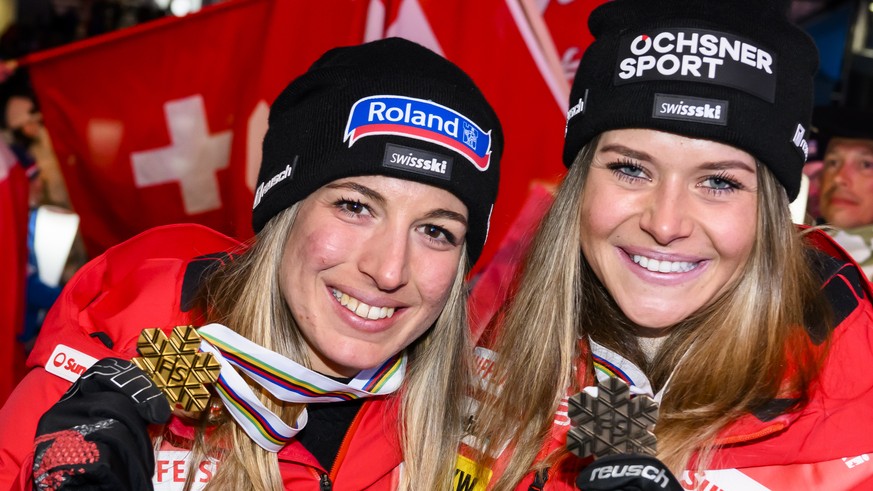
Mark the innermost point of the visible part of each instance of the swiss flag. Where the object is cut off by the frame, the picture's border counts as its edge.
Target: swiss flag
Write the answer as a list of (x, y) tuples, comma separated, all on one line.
[(499, 44), (163, 122), (14, 188)]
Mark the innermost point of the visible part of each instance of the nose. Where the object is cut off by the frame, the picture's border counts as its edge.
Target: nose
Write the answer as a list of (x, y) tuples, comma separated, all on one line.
[(666, 215), (385, 258)]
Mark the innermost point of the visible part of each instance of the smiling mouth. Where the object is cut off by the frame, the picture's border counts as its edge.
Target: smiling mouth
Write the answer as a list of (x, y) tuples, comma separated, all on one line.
[(360, 308), (664, 266)]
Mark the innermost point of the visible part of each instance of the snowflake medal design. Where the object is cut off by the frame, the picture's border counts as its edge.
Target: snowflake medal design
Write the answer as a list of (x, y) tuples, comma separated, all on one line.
[(611, 422), (177, 367)]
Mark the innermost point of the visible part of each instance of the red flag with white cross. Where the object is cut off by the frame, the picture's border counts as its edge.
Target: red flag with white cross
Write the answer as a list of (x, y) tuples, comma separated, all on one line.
[(500, 44), (567, 21), (162, 123)]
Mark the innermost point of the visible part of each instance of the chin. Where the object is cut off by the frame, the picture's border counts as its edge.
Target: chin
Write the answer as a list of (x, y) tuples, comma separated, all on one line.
[(654, 321)]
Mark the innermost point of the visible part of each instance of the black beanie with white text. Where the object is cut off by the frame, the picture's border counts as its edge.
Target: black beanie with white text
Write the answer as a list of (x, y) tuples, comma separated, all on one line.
[(733, 71), (389, 107)]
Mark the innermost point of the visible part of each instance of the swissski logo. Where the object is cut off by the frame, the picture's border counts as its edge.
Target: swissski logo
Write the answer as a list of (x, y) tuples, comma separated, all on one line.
[(418, 161), (697, 55), (694, 109), (421, 120)]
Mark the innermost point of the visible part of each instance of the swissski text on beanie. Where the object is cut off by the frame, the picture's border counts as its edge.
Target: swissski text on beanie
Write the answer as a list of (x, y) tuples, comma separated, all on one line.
[(734, 71), (389, 107)]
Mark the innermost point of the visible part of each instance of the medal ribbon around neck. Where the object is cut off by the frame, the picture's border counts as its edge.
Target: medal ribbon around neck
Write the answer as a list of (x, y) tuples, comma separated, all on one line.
[(286, 380)]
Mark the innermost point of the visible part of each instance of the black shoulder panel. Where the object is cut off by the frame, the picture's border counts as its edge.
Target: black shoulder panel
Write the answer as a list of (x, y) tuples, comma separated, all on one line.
[(198, 269)]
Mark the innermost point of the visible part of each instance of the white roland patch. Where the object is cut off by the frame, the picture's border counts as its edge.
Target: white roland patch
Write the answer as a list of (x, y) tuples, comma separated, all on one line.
[(68, 363)]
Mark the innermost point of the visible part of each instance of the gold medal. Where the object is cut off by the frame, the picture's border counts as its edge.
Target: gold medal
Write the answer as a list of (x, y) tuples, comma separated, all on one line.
[(177, 367)]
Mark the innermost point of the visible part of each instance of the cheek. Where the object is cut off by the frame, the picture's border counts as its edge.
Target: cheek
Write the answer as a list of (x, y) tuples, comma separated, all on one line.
[(827, 181), (866, 195), (734, 235), (434, 280), (322, 246), (599, 220)]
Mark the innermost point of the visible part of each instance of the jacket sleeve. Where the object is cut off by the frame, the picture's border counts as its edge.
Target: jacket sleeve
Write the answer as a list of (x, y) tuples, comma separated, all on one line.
[(33, 396)]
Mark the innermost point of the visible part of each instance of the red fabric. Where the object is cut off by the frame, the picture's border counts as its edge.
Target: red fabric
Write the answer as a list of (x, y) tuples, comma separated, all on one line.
[(369, 458), (827, 445), (568, 25), (492, 41), (492, 286), (132, 286), (235, 57), (14, 189), (106, 101)]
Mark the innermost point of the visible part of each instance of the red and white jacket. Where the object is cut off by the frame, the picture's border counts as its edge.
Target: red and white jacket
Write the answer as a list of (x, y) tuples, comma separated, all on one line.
[(141, 284), (828, 445)]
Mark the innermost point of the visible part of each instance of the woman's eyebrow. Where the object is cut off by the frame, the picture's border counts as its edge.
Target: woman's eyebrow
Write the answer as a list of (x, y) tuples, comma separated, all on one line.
[(640, 155), (626, 151), (359, 188), (448, 214), (377, 197), (728, 165)]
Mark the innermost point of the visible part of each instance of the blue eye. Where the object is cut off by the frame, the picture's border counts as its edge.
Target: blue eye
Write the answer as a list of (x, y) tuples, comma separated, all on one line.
[(627, 170), (721, 183)]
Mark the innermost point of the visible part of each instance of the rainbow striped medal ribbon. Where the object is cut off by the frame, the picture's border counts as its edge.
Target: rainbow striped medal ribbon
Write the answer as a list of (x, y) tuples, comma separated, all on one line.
[(287, 380)]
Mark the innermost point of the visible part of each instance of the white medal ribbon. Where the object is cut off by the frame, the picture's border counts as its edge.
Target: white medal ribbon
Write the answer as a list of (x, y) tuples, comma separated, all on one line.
[(287, 380)]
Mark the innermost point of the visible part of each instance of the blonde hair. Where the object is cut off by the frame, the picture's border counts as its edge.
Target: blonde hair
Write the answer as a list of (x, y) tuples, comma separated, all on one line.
[(744, 349), (245, 296)]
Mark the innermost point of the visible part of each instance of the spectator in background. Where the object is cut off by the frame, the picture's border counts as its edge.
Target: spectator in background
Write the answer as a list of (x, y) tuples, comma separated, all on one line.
[(846, 189)]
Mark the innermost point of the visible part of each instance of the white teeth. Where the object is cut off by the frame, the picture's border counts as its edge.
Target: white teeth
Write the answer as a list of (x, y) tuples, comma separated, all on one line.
[(664, 266), (361, 309)]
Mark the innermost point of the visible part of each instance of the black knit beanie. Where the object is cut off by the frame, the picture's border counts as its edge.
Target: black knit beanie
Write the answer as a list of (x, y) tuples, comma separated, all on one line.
[(734, 71), (391, 108)]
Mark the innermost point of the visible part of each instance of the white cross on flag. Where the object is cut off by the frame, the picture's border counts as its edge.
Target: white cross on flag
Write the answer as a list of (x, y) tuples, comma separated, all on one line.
[(162, 123)]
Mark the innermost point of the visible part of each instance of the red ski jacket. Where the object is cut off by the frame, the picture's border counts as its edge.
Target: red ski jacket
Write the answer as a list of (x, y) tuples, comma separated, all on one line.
[(826, 445), (141, 284)]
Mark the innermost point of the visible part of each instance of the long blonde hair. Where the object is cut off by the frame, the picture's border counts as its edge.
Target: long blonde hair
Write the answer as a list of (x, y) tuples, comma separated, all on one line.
[(245, 296), (746, 348)]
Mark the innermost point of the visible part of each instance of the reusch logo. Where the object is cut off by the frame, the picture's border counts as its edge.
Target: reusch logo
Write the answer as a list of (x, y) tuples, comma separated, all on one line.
[(695, 109), (68, 363), (697, 55), (418, 161), (264, 187), (650, 472), (422, 120)]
